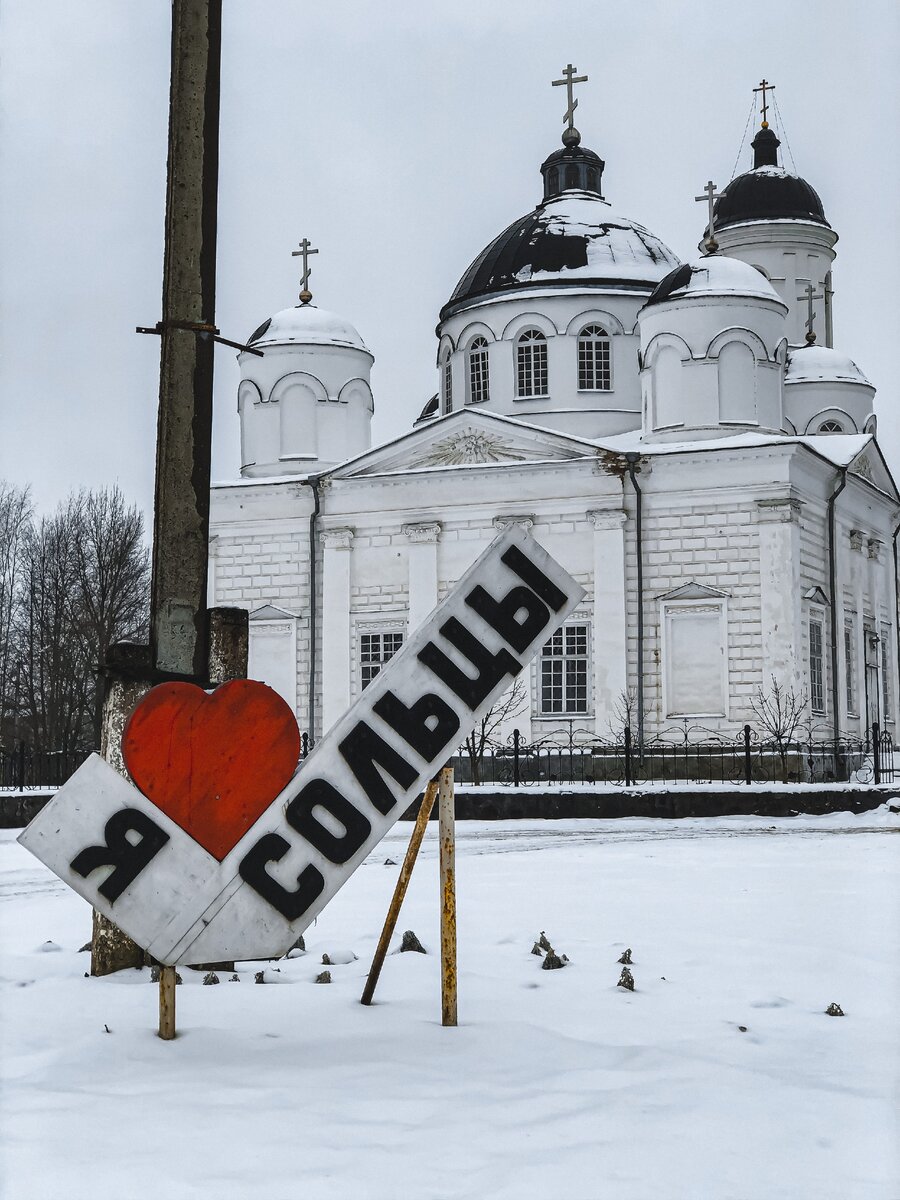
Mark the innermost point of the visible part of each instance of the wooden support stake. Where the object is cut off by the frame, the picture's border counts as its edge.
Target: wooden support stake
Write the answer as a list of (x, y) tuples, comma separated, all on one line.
[(448, 896), (409, 862), (167, 1003)]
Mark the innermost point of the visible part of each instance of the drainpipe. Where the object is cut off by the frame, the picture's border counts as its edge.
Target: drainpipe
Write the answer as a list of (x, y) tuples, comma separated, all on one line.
[(832, 576), (632, 460), (313, 482)]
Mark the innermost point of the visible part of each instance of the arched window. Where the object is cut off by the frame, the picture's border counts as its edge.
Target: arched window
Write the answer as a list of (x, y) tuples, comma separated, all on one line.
[(594, 365), (553, 179), (479, 387), (531, 364), (571, 176), (831, 427), (592, 179), (447, 383)]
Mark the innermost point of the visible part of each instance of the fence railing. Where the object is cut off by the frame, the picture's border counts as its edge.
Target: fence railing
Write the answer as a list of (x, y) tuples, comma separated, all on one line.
[(689, 755), (22, 768)]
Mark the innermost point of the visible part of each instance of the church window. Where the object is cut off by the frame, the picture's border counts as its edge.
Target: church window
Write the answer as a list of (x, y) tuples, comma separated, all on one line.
[(531, 364), (554, 180), (817, 663), (594, 364), (695, 659), (479, 390), (564, 671), (592, 179), (447, 383), (375, 649), (571, 176), (850, 664), (831, 427), (737, 384), (887, 712)]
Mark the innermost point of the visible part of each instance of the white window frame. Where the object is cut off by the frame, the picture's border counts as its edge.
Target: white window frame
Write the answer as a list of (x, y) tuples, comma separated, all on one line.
[(817, 617), (566, 711), (478, 373), (670, 609), (447, 384), (396, 630), (532, 365), (595, 355), (851, 687)]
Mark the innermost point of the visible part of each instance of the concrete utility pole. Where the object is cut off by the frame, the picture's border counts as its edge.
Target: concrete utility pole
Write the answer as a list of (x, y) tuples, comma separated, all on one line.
[(186, 641), (178, 632)]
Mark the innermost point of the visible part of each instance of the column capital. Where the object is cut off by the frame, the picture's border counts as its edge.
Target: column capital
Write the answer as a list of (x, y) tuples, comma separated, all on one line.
[(857, 539), (337, 539), (780, 509), (425, 533), (607, 518), (526, 520), (874, 547)]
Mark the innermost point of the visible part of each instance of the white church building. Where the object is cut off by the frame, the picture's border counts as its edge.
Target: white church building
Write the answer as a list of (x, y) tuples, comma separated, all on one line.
[(685, 438)]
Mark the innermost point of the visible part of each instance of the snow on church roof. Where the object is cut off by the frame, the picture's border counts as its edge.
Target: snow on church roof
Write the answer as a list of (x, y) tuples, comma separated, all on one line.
[(573, 238), (821, 364), (307, 325), (714, 275)]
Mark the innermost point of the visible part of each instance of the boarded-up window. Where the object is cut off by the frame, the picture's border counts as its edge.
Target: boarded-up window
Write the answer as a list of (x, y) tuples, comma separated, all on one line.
[(667, 388), (695, 679), (737, 383)]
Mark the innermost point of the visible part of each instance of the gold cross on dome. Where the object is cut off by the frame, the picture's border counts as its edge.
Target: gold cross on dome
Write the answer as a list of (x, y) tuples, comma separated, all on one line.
[(568, 81), (305, 250), (765, 86), (809, 295)]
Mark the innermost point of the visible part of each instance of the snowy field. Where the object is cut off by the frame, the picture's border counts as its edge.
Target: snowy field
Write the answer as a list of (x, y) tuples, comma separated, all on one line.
[(556, 1086)]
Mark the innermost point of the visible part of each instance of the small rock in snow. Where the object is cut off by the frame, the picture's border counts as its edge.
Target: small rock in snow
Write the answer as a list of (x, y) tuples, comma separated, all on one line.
[(742, 1028), (536, 949), (626, 958), (235, 978), (544, 943), (338, 957), (834, 1010), (626, 980), (210, 978), (259, 977), (325, 977), (298, 945), (49, 947), (389, 862), (411, 942), (326, 961), (553, 962)]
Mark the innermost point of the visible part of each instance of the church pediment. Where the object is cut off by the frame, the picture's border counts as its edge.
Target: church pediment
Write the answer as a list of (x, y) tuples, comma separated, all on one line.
[(870, 465), (694, 591), (467, 439)]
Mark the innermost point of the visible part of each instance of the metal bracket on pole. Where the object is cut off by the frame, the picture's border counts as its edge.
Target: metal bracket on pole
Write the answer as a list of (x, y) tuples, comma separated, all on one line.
[(200, 327)]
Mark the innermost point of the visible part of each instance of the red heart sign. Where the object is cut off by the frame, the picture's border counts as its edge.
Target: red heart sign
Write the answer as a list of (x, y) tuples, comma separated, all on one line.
[(212, 762)]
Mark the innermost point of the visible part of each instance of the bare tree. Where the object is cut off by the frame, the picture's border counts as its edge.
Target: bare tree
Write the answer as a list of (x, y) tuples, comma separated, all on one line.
[(15, 523), (780, 711), (624, 714), (509, 706)]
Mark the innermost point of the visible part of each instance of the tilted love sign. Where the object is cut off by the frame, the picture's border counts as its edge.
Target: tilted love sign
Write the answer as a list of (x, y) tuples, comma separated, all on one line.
[(187, 902)]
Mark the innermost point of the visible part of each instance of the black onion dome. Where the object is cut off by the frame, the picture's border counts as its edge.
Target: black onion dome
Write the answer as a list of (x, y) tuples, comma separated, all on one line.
[(768, 192)]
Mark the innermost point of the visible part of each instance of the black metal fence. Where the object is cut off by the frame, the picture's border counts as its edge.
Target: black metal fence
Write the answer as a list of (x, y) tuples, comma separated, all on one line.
[(688, 755), (23, 768)]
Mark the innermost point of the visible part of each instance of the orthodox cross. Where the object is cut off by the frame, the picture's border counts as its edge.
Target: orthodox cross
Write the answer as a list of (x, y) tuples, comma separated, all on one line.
[(306, 249), (568, 81), (710, 195), (810, 294), (765, 86)]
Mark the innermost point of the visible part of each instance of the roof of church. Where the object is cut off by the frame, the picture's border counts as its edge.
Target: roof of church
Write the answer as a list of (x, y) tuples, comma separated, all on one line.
[(768, 192), (822, 364), (714, 275), (571, 239), (308, 325)]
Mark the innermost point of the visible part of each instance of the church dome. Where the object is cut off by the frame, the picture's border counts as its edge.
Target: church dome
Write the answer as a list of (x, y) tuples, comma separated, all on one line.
[(307, 325), (821, 364), (572, 239), (714, 275), (768, 192)]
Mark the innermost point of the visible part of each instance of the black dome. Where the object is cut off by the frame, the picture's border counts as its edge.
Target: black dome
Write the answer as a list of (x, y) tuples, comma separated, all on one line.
[(768, 192)]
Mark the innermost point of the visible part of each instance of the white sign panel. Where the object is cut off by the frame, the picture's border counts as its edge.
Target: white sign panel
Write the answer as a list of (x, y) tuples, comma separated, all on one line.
[(143, 871)]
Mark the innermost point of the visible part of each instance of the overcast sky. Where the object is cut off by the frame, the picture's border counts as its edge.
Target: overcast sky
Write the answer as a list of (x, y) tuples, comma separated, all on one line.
[(400, 138)]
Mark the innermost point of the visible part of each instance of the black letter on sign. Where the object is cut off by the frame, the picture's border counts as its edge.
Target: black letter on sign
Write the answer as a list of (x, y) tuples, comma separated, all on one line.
[(272, 847), (534, 577), (364, 751), (491, 667), (412, 722), (301, 816), (126, 858), (503, 615)]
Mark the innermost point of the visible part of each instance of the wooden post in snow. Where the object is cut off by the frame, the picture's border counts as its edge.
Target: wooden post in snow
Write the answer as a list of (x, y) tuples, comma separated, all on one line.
[(167, 981), (446, 824)]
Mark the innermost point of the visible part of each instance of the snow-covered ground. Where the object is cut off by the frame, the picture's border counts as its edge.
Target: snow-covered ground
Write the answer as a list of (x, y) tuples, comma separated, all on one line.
[(557, 1085)]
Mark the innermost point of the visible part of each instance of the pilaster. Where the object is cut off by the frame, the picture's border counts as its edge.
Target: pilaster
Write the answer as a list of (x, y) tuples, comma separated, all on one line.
[(422, 583), (336, 561), (609, 632)]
